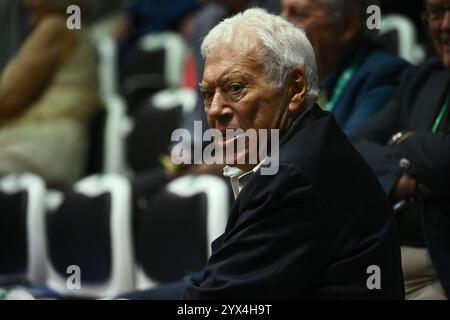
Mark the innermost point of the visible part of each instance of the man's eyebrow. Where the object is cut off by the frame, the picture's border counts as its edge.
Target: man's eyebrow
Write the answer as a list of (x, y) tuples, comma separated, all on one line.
[(203, 86), (233, 71)]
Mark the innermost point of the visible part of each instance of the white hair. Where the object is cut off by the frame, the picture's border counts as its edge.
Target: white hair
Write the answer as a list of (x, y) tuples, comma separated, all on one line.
[(281, 47)]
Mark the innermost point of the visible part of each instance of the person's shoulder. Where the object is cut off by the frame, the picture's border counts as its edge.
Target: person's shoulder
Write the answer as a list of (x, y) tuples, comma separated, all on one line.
[(52, 29), (429, 65), (52, 25), (314, 129), (379, 59), (267, 189), (310, 146), (52, 32), (380, 68), (417, 75)]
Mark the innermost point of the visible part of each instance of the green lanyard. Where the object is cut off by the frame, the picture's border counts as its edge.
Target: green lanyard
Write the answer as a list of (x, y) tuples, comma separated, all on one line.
[(440, 116), (344, 79)]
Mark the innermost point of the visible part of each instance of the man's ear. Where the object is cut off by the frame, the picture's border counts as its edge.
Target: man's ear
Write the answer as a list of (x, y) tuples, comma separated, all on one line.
[(298, 90), (350, 27)]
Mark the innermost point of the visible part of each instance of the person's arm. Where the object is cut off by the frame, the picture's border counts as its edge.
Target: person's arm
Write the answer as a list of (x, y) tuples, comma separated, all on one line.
[(276, 238), (429, 161), (418, 164), (34, 66)]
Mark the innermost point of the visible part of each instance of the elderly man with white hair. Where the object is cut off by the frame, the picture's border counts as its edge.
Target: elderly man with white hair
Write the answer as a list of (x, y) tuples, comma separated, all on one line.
[(321, 226)]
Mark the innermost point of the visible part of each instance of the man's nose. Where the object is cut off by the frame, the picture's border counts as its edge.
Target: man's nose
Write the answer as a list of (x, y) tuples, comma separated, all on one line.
[(218, 108)]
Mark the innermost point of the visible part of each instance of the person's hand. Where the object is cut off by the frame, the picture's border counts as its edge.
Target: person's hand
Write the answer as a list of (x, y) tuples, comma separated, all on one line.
[(408, 187), (425, 191), (405, 188)]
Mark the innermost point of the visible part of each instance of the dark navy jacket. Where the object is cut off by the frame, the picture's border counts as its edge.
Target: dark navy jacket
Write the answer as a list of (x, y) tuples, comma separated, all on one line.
[(310, 231)]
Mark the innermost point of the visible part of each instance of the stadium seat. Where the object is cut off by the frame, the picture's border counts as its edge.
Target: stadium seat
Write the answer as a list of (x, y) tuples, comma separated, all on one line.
[(157, 64), (22, 236), (107, 133), (152, 127), (398, 34), (107, 66), (173, 236), (89, 230)]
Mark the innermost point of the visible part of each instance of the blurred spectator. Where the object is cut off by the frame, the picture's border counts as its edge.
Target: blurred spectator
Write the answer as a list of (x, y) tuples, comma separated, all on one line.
[(356, 77), (408, 146), (48, 94)]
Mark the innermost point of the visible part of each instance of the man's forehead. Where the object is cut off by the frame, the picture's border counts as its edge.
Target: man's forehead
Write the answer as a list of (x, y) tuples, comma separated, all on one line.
[(223, 63)]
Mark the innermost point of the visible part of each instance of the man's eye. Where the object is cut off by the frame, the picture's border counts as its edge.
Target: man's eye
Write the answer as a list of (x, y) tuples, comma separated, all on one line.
[(207, 94), (235, 88)]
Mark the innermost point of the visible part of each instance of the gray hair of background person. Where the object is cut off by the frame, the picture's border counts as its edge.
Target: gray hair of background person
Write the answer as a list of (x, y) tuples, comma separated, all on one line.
[(282, 46), (340, 9)]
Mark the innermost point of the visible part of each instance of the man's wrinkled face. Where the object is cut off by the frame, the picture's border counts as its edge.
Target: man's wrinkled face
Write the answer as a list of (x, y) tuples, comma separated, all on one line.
[(237, 95), (314, 18), (439, 20)]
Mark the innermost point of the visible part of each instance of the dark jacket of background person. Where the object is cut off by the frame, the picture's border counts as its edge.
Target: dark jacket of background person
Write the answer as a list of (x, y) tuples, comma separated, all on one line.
[(310, 231), (415, 108), (371, 87)]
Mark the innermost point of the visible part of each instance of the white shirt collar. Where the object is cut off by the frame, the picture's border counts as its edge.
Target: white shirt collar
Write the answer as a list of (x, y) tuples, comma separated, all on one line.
[(238, 177)]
